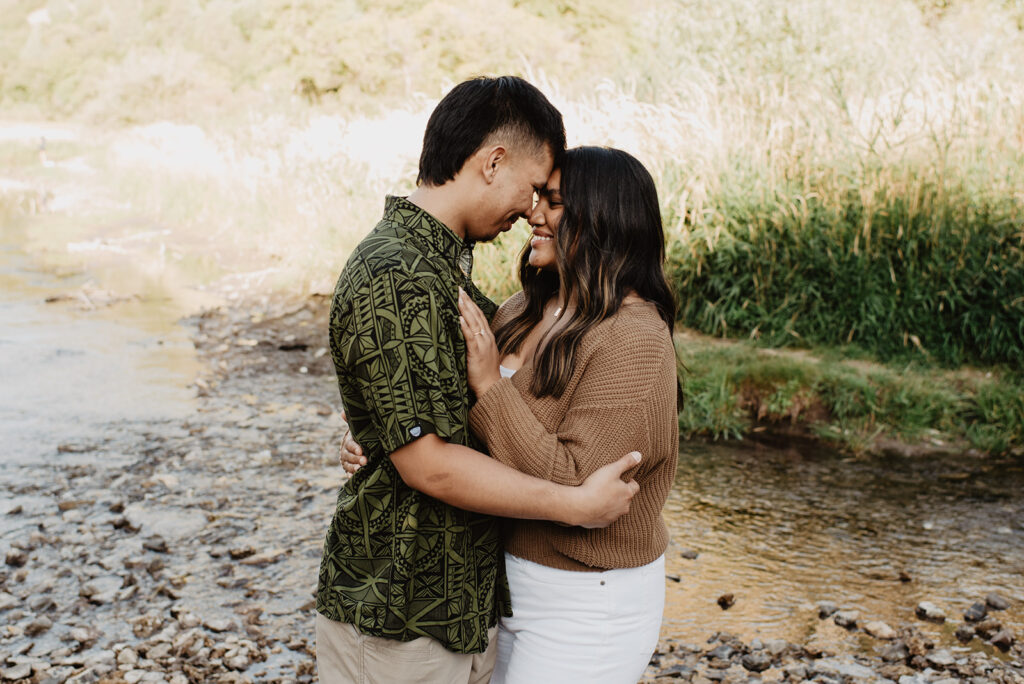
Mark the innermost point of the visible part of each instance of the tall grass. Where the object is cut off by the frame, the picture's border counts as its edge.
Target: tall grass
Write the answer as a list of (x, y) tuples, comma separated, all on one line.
[(830, 172)]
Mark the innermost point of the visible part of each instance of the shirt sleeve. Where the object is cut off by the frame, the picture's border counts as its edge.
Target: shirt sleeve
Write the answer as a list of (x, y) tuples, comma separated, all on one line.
[(607, 418), (404, 366)]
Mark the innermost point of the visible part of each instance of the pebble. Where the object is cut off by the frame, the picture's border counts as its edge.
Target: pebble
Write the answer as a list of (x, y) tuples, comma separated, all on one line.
[(846, 618), (689, 554), (940, 658), (726, 601), (964, 633), (880, 630), (16, 558), (986, 628), (976, 613), (996, 602), (826, 608), (7, 601), (1003, 640), (926, 610), (758, 661), (16, 672), (38, 626)]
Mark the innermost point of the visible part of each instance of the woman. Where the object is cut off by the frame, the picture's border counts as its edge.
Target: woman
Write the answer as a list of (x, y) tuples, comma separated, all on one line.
[(580, 369)]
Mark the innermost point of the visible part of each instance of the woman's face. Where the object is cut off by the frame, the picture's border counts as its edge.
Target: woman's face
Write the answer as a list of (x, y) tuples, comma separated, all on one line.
[(544, 219)]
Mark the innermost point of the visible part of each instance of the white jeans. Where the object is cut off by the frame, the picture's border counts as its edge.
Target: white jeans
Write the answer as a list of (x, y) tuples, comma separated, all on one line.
[(594, 627)]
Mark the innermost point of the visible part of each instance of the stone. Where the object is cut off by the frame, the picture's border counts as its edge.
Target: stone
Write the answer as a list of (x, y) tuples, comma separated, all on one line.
[(677, 672), (926, 610), (776, 647), (880, 630), (996, 602), (964, 633), (218, 624), (101, 590), (940, 658), (726, 601), (38, 626), (986, 628), (846, 618), (1003, 640), (894, 652), (795, 672), (723, 652), (758, 661), (842, 669), (127, 656), (688, 554), (23, 671), (7, 601), (16, 558), (976, 613), (155, 543), (133, 676), (826, 608)]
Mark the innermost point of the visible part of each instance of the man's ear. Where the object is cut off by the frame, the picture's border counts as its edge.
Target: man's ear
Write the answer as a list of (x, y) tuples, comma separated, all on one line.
[(491, 159)]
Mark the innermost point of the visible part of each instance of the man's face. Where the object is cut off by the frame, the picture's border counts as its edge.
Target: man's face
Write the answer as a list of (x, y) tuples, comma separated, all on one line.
[(517, 178)]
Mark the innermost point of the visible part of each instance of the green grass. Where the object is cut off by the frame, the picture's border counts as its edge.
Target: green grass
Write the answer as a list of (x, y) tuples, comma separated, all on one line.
[(730, 389)]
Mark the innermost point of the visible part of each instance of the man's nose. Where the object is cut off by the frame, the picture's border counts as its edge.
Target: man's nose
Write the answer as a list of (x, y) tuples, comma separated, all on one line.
[(535, 216)]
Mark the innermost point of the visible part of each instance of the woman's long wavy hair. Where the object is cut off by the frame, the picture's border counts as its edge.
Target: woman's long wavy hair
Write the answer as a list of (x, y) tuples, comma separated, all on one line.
[(609, 242)]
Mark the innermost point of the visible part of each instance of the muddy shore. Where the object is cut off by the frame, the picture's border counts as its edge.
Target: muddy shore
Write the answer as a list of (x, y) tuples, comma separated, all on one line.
[(178, 551)]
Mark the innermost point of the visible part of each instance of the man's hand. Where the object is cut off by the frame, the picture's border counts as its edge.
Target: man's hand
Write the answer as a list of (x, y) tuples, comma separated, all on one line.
[(351, 457), (603, 497)]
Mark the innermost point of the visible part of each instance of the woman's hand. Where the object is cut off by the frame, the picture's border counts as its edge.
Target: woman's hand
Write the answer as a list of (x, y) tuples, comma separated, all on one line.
[(481, 351), (351, 456)]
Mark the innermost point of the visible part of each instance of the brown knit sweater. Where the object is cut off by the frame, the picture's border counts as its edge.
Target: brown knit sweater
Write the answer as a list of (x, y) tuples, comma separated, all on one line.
[(621, 398)]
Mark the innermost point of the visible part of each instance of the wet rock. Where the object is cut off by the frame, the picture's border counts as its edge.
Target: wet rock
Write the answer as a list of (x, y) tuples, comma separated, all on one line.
[(976, 613), (795, 672), (776, 647), (688, 554), (904, 576), (926, 610), (38, 626), (758, 661), (964, 633), (722, 652), (826, 608), (16, 558), (1003, 640), (986, 628), (846, 619), (996, 602), (726, 601), (7, 601), (940, 659), (880, 630)]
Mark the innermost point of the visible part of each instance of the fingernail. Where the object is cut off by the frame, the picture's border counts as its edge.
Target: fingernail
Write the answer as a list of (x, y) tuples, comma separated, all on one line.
[(636, 456)]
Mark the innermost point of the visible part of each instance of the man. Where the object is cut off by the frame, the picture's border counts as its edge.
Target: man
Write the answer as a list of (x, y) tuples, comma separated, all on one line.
[(412, 578)]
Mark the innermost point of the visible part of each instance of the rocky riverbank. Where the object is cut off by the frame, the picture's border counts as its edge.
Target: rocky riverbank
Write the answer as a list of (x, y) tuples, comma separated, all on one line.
[(186, 551)]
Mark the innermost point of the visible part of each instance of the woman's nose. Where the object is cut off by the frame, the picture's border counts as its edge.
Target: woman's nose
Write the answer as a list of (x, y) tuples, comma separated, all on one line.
[(536, 217)]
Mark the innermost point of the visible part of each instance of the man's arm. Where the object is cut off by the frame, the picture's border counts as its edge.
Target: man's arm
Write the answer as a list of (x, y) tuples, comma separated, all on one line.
[(467, 479)]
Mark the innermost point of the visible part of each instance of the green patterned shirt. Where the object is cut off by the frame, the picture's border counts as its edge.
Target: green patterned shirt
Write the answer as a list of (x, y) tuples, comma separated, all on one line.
[(398, 563)]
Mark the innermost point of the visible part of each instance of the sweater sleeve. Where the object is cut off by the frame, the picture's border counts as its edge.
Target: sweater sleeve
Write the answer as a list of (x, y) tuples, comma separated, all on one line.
[(606, 417)]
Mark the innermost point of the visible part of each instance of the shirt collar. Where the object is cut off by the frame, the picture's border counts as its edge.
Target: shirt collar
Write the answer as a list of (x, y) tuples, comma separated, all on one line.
[(435, 238)]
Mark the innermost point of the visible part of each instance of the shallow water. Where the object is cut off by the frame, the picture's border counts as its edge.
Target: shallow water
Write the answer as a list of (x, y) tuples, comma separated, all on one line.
[(785, 529)]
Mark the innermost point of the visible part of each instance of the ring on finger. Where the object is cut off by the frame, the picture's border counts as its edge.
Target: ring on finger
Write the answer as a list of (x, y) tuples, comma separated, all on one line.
[(478, 332)]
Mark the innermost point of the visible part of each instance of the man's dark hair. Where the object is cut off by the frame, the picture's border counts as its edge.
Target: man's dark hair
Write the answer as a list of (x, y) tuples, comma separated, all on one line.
[(475, 110)]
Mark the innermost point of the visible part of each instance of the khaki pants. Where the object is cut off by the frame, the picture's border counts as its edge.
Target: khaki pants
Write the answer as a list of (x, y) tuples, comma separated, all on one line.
[(344, 655)]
